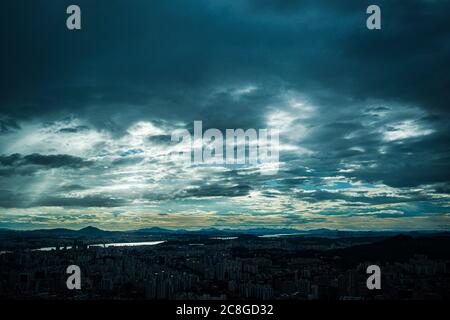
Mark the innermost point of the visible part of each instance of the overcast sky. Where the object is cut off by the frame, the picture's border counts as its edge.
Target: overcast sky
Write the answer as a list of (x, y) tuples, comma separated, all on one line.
[(86, 116)]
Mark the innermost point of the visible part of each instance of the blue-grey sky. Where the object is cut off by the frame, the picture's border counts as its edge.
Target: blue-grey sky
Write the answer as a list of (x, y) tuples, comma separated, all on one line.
[(86, 116)]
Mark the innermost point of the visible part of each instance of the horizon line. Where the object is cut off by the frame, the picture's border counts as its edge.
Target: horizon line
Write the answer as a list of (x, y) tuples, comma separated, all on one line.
[(189, 229)]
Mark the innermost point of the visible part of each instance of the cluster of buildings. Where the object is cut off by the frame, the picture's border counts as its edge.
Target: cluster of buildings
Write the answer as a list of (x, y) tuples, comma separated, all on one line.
[(235, 269)]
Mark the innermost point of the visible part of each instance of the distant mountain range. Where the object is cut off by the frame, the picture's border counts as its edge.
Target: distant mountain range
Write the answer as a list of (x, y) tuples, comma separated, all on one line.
[(96, 232)]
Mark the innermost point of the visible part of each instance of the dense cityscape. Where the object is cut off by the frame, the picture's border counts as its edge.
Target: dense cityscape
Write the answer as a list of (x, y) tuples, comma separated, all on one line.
[(244, 267)]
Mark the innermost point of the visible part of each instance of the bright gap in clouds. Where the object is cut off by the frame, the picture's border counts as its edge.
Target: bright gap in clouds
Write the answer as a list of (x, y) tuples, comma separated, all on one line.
[(405, 130)]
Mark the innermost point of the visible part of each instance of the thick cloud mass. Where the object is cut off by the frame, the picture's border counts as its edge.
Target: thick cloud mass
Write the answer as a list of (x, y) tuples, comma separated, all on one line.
[(86, 116)]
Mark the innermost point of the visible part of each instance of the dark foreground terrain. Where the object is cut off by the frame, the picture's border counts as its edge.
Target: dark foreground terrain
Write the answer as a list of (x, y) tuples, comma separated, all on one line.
[(207, 266)]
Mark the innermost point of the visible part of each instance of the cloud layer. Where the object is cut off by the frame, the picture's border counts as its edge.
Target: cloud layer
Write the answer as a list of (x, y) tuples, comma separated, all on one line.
[(86, 116)]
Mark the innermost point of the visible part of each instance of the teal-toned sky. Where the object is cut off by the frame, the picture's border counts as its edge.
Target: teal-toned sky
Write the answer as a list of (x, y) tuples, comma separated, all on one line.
[(86, 116)]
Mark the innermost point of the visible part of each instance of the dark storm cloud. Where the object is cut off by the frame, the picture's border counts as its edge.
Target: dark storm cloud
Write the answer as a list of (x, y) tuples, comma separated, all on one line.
[(51, 161), (10, 199), (321, 195), (87, 201), (218, 191), (443, 188), (201, 190), (7, 125), (167, 57), (127, 161), (160, 139), (71, 187), (73, 129), (28, 164), (407, 163)]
